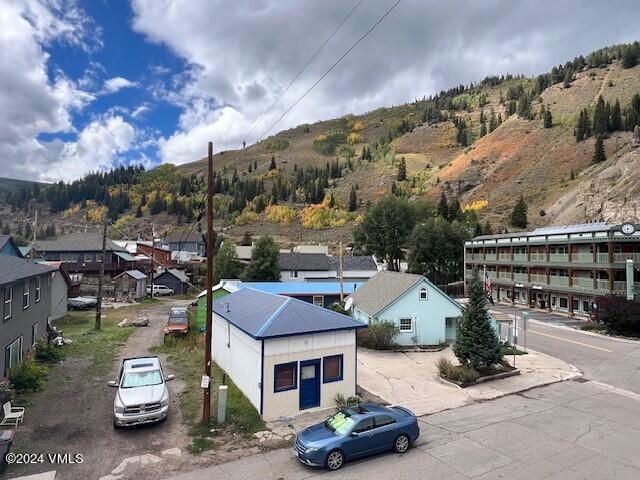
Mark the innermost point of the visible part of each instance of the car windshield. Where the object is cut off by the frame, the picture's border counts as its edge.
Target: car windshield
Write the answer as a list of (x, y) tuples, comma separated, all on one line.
[(182, 320), (142, 379), (340, 423)]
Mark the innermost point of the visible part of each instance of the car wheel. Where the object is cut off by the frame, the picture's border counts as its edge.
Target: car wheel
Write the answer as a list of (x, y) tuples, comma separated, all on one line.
[(115, 425), (401, 444), (334, 460)]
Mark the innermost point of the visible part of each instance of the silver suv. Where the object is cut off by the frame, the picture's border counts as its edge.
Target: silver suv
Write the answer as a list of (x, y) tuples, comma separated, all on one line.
[(143, 396)]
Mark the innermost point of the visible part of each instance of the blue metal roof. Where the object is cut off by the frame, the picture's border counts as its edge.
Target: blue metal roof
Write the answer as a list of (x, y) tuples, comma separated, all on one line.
[(264, 315), (301, 288)]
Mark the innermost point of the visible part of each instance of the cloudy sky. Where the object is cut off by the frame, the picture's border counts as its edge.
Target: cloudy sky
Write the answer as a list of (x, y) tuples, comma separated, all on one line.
[(88, 85)]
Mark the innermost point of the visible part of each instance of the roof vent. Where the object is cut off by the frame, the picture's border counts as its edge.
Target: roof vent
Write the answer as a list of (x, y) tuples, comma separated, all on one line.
[(226, 306)]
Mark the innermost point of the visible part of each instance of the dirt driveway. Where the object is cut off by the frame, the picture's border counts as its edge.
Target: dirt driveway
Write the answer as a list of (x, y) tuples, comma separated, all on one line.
[(74, 415)]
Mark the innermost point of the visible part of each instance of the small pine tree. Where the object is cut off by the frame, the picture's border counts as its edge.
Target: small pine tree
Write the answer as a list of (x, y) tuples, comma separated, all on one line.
[(272, 165), (598, 153), (616, 117), (443, 207), (518, 216), (477, 344), (548, 119), (477, 230), (483, 129), (568, 78), (402, 170), (332, 201), (139, 211), (353, 200), (487, 229)]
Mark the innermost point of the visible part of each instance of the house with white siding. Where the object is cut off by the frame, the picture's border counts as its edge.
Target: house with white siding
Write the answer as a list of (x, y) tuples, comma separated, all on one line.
[(286, 355)]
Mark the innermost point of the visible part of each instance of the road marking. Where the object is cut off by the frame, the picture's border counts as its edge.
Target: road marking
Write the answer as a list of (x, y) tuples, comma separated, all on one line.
[(570, 341), (617, 390)]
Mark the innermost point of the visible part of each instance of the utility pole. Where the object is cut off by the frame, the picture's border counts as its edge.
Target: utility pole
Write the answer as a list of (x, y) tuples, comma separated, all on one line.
[(104, 248), (153, 257), (35, 230), (206, 406), (341, 276)]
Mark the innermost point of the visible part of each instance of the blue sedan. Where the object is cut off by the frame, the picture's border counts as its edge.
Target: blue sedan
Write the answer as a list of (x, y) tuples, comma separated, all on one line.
[(356, 432)]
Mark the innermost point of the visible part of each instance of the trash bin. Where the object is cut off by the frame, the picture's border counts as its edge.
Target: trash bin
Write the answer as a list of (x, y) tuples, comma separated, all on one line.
[(6, 438)]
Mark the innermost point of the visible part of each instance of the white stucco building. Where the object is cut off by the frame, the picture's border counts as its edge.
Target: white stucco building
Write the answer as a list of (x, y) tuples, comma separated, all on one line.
[(286, 355)]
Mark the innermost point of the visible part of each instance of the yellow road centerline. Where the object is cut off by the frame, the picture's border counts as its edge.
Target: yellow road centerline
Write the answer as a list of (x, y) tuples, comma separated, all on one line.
[(570, 341)]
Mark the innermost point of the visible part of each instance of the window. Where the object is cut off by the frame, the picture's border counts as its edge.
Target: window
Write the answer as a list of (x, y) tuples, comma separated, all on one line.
[(449, 322), (99, 257), (406, 325), (34, 334), (25, 295), (293, 274), (585, 306), (14, 354), (564, 303), (363, 425), (574, 304), (88, 257), (423, 293), (383, 420), (74, 257), (285, 377), (318, 300), (8, 299), (38, 289), (332, 369)]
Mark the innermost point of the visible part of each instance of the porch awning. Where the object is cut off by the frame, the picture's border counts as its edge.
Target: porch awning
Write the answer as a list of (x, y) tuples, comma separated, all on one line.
[(125, 256)]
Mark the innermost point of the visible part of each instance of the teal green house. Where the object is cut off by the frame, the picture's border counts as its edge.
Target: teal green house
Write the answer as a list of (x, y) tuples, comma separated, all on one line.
[(424, 314)]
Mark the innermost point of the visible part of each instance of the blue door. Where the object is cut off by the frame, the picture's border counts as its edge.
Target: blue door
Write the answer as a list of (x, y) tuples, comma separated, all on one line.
[(309, 384)]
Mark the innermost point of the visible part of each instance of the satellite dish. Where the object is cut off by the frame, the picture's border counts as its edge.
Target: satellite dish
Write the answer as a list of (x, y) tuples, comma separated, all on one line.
[(347, 304)]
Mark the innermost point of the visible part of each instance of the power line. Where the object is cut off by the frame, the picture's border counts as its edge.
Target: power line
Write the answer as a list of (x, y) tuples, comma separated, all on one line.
[(304, 67), (330, 69)]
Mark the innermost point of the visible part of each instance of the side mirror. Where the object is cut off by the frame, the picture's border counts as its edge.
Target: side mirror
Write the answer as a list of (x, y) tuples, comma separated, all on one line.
[(169, 377), (354, 434), (113, 383)]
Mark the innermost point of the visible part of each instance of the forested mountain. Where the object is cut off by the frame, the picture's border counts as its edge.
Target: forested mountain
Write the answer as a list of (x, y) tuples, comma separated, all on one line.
[(478, 149)]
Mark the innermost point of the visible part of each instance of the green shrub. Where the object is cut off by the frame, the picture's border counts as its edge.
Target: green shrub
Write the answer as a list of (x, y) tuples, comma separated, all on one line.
[(28, 376), (47, 353), (444, 366), (458, 373), (380, 335), (619, 315), (346, 402)]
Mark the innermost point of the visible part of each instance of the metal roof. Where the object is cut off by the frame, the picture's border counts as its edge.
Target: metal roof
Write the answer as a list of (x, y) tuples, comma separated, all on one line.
[(13, 269), (304, 261), (135, 274), (179, 274), (184, 237), (353, 262), (289, 288), (555, 230), (77, 242), (262, 315)]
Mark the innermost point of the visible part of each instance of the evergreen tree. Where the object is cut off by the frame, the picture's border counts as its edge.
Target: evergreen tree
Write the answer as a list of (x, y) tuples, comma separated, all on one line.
[(246, 239), (443, 207), (524, 107), (226, 263), (568, 78), (264, 265), (6, 230), (477, 230), (579, 130), (616, 117), (487, 230), (598, 153), (483, 129), (332, 201), (518, 216), (139, 211), (600, 118), (272, 165), (547, 119), (477, 344), (493, 122), (353, 200), (402, 170), (455, 212)]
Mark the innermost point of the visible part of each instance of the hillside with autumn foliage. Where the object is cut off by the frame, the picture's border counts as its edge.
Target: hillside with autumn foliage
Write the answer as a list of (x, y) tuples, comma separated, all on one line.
[(482, 146)]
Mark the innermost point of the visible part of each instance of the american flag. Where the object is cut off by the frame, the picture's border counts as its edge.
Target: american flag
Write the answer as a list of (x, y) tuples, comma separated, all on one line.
[(487, 281)]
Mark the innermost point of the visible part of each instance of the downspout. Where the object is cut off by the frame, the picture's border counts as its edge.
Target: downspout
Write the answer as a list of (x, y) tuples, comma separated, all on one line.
[(262, 377)]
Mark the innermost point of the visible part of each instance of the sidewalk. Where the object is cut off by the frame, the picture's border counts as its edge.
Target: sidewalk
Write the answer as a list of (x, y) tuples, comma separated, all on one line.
[(411, 379)]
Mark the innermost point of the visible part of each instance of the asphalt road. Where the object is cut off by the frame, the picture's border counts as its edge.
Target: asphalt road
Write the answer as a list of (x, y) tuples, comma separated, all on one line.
[(585, 429), (605, 359)]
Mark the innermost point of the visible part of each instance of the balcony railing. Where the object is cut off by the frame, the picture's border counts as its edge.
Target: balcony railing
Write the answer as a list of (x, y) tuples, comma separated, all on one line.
[(538, 278), (620, 286), (504, 256), (582, 282), (490, 256), (558, 257), (602, 284), (559, 281), (520, 256), (538, 256), (602, 257), (520, 277), (623, 257), (505, 275), (491, 274), (477, 256), (582, 257)]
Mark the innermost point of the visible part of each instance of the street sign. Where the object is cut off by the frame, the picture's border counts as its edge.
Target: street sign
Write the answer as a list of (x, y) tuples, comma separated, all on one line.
[(205, 381)]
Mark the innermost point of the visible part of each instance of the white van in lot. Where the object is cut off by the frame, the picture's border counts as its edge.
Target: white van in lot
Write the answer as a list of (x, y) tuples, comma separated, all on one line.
[(159, 290), (143, 396)]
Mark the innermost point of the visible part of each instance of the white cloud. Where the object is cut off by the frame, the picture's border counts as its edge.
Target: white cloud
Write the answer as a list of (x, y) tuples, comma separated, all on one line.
[(114, 84), (245, 59), (140, 110)]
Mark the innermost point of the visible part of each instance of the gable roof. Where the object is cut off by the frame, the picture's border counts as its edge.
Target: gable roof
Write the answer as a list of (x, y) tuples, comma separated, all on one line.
[(179, 274), (288, 288), (184, 237), (263, 315), (135, 274), (13, 269), (8, 240), (353, 262), (77, 242), (304, 261), (382, 289)]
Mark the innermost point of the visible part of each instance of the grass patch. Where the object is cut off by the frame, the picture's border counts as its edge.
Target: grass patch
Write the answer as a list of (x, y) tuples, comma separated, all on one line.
[(594, 327), (186, 357), (100, 346), (511, 350)]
